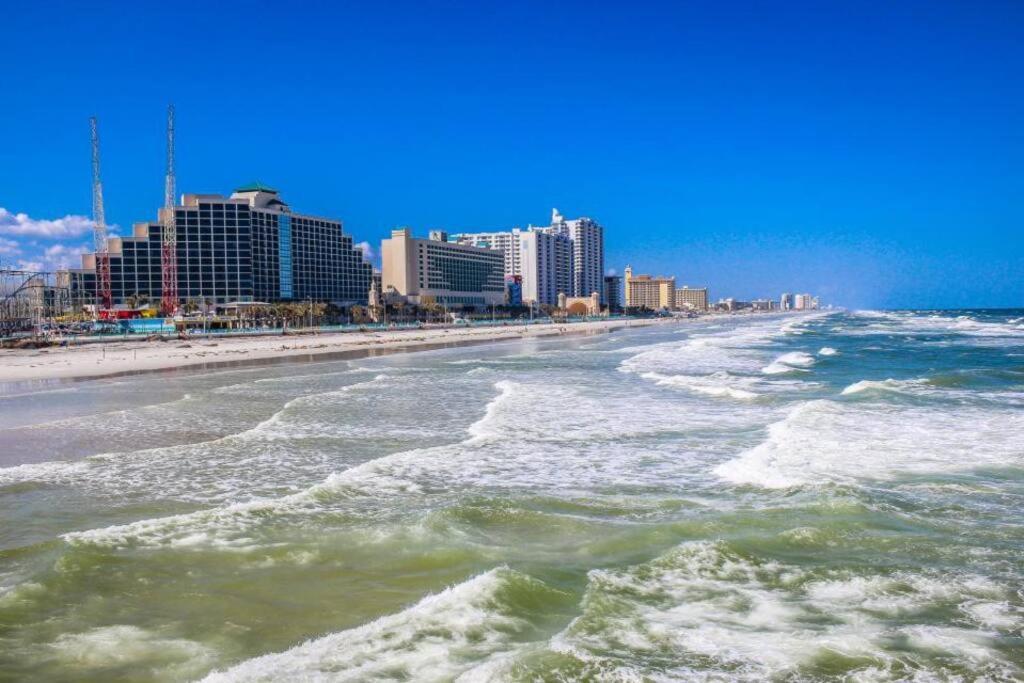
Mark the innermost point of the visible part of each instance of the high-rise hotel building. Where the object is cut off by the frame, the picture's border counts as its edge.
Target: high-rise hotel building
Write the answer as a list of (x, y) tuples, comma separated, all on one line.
[(246, 247), (546, 266), (438, 271)]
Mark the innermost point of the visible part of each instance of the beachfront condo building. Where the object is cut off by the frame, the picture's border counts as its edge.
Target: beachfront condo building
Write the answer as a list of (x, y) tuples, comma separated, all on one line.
[(695, 299), (424, 271), (546, 264), (786, 302), (541, 257), (246, 247), (587, 239), (566, 256), (507, 242), (645, 291)]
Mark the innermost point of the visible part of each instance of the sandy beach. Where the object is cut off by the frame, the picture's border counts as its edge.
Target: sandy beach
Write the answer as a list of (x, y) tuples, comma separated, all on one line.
[(115, 358)]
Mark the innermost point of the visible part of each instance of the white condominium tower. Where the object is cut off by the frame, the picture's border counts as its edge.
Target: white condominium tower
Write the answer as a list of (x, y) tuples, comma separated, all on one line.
[(507, 241), (546, 260), (587, 238), (564, 257)]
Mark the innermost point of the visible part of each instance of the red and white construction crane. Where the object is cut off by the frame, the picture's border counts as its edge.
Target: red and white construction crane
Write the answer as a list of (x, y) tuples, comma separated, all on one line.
[(104, 299), (169, 243)]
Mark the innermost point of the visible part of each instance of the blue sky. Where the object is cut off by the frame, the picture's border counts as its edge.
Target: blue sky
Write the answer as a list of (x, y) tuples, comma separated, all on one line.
[(869, 152)]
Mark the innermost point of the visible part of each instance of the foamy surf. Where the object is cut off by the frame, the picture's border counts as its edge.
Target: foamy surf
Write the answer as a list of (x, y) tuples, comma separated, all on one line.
[(704, 611), (865, 535), (710, 386), (827, 442)]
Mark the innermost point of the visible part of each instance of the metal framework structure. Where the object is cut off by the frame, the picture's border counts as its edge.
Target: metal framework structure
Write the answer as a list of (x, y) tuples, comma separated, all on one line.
[(103, 294), (28, 298), (169, 245)]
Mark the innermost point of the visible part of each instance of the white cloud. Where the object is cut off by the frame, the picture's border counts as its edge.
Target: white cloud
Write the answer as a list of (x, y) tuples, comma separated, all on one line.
[(30, 265), (24, 225), (9, 247), (368, 253), (60, 256)]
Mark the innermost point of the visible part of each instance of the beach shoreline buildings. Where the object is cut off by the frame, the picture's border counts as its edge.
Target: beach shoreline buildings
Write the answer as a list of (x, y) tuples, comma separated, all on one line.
[(692, 299), (437, 271), (646, 291), (247, 247), (565, 257)]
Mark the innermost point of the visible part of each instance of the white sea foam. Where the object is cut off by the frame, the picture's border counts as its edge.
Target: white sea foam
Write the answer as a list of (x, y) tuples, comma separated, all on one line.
[(921, 324), (827, 351), (121, 645), (438, 638), (711, 385), (824, 441), (220, 469), (739, 618), (533, 437)]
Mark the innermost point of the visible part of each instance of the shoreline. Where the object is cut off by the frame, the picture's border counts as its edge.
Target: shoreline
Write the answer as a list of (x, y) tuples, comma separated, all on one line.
[(28, 368)]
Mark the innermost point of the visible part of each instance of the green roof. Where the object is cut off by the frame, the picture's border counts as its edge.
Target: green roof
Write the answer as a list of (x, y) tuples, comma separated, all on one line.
[(256, 186)]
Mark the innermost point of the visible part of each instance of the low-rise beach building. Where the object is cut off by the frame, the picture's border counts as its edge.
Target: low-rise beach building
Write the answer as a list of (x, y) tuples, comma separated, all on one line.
[(692, 299)]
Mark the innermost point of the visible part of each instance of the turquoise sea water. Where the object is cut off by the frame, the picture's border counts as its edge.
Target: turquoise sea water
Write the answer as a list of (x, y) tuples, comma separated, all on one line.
[(831, 496)]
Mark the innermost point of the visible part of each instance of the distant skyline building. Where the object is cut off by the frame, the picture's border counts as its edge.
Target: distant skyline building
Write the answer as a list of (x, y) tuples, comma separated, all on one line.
[(645, 291), (802, 302), (247, 247), (435, 271), (786, 302)]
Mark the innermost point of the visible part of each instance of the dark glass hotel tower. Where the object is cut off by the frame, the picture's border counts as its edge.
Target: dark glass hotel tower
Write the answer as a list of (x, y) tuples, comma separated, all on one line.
[(246, 247)]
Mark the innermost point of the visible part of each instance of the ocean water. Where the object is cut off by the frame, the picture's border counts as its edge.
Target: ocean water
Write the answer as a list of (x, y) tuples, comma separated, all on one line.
[(829, 496)]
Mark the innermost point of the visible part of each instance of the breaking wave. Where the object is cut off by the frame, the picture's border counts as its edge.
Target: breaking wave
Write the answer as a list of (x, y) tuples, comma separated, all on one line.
[(441, 637)]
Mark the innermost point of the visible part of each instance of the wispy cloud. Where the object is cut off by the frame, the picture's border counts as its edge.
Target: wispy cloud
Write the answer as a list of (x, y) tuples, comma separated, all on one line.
[(52, 258), (23, 225), (9, 247)]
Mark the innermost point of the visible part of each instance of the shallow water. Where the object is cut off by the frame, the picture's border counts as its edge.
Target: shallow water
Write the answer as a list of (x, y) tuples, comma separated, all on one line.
[(820, 497)]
